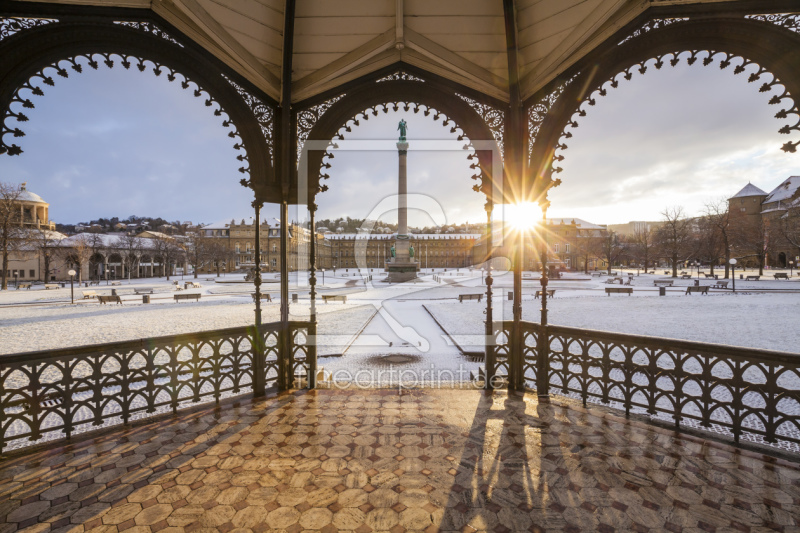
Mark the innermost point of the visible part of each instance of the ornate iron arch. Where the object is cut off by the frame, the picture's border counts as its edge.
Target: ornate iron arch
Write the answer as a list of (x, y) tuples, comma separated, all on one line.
[(733, 42), (333, 118), (36, 55)]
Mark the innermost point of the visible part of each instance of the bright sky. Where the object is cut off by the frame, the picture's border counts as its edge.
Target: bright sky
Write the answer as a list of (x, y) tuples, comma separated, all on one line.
[(118, 143)]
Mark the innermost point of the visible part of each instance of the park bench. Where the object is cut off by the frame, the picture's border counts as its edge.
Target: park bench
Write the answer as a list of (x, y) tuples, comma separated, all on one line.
[(476, 296), (596, 274), (752, 278), (701, 290), (667, 272), (24, 286), (611, 281), (266, 297), (721, 284), (143, 291), (714, 276), (663, 282), (95, 282), (621, 290), (49, 286), (684, 273), (187, 296), (89, 294), (115, 283), (192, 285), (686, 276), (109, 299), (781, 275), (550, 293), (340, 297)]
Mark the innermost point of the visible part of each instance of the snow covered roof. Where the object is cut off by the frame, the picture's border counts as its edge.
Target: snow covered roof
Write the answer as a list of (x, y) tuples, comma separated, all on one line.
[(107, 241), (226, 223), (785, 191), (416, 236), (749, 190), (579, 222), (28, 196)]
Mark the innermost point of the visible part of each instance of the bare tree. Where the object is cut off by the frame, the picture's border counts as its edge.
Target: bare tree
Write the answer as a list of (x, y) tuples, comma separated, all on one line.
[(587, 245), (197, 251), (611, 248), (11, 233), (46, 241), (218, 254), (130, 249), (789, 228), (170, 251), (78, 253), (709, 242), (643, 245), (674, 237), (753, 238), (719, 215)]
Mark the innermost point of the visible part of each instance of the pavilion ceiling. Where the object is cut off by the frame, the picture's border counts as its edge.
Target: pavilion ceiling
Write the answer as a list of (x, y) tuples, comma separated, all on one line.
[(336, 41)]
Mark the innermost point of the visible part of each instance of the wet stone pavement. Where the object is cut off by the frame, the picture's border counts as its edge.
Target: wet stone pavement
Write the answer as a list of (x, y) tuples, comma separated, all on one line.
[(376, 460)]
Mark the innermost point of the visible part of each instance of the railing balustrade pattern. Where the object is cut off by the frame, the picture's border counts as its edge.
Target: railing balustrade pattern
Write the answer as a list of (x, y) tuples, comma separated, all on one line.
[(299, 364), (727, 389), (56, 393)]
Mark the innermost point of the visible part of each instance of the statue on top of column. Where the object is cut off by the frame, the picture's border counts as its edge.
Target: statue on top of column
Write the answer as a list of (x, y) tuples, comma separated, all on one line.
[(403, 127)]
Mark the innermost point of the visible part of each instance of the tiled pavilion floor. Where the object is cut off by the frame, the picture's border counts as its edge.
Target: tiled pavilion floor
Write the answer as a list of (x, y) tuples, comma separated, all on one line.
[(373, 460)]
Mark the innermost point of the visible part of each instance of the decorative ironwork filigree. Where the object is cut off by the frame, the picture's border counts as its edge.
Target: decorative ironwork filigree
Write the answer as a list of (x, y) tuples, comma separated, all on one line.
[(538, 111), (494, 118), (706, 58), (148, 27), (790, 21), (651, 25), (263, 113), (307, 118), (400, 76), (62, 68), (739, 392), (57, 393), (11, 25)]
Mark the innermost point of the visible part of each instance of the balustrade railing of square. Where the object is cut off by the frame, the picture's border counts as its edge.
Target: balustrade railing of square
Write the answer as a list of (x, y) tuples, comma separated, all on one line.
[(54, 394), (738, 392)]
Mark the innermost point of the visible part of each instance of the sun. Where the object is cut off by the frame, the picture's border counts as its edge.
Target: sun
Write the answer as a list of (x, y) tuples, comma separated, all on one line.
[(524, 215)]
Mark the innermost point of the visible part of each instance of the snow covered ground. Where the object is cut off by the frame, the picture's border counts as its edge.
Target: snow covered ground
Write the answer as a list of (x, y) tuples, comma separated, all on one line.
[(761, 314)]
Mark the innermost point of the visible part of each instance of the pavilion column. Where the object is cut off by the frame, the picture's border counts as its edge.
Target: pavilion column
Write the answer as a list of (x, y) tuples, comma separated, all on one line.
[(259, 364), (312, 281), (491, 354), (514, 165), (285, 361), (543, 340), (286, 159)]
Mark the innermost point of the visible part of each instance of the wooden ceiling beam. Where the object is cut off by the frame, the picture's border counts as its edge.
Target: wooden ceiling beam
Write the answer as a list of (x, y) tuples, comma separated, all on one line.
[(226, 41), (453, 61), (346, 63), (570, 51)]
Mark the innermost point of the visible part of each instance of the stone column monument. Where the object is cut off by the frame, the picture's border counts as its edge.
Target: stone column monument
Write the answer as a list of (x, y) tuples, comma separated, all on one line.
[(402, 265)]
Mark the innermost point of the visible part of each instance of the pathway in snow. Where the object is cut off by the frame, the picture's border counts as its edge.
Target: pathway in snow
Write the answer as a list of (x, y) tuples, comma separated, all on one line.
[(402, 343)]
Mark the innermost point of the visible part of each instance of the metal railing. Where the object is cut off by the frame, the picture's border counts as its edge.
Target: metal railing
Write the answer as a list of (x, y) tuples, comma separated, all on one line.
[(726, 389), (56, 393)]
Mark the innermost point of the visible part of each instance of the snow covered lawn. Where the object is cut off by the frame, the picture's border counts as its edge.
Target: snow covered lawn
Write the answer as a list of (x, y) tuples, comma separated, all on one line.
[(50, 326), (769, 321)]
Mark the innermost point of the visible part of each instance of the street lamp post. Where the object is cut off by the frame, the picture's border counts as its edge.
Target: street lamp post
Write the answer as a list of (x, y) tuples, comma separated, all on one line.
[(733, 272), (791, 265), (323, 277), (71, 286)]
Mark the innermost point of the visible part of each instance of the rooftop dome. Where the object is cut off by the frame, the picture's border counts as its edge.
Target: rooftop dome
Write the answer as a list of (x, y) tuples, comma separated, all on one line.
[(28, 196)]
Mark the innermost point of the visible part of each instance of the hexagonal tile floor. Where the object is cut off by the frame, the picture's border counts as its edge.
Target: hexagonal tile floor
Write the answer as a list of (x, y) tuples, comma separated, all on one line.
[(375, 460)]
